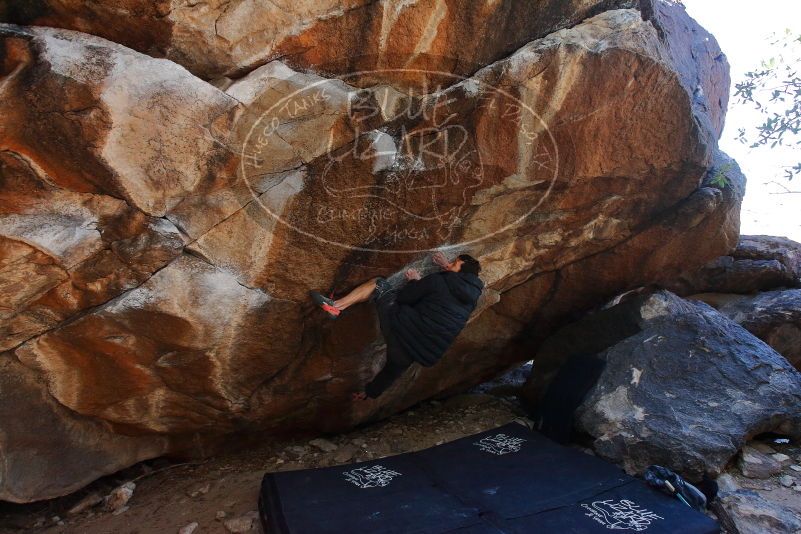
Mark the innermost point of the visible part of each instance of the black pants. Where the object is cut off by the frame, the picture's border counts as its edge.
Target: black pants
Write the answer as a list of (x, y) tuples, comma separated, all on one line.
[(397, 361), (396, 364)]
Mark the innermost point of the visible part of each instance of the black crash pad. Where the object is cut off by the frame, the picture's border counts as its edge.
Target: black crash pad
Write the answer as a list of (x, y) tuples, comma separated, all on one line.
[(507, 480)]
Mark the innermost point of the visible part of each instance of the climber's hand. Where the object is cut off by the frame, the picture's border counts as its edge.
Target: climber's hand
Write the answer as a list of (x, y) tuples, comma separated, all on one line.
[(413, 274), (359, 396), (440, 259)]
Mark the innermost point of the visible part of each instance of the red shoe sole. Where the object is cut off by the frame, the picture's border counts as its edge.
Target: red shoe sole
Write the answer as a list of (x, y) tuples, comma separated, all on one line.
[(332, 311)]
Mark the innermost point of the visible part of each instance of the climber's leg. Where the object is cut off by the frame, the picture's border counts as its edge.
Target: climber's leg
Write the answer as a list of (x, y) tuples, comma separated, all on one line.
[(360, 293), (333, 308), (396, 364)]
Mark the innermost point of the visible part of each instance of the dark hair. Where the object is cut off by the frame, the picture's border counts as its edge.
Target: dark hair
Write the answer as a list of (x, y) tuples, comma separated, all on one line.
[(470, 265)]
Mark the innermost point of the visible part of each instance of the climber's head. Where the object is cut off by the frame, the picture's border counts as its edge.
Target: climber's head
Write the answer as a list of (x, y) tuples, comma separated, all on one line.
[(465, 263)]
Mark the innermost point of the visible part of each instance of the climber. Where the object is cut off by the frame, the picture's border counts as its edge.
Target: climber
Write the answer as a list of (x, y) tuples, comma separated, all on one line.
[(420, 321)]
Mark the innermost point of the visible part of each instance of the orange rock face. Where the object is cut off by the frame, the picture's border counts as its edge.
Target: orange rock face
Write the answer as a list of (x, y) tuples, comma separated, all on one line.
[(159, 234)]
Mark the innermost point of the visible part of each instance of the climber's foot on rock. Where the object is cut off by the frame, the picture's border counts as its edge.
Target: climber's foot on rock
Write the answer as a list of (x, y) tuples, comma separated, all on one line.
[(326, 304)]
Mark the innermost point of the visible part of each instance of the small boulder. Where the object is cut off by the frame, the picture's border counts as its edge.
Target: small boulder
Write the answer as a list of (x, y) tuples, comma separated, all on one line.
[(759, 263), (119, 497), (323, 444), (188, 529), (243, 523), (782, 459), (298, 451), (746, 512), (754, 464), (787, 481), (93, 499), (345, 453), (200, 488), (767, 247)]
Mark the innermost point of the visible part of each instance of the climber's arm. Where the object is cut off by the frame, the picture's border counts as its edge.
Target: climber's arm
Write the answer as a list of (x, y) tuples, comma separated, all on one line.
[(414, 290)]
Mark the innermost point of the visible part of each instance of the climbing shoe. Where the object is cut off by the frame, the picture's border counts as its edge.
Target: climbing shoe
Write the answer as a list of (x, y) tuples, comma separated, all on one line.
[(326, 304)]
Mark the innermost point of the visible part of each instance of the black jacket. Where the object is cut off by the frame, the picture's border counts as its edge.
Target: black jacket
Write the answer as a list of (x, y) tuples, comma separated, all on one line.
[(431, 312)]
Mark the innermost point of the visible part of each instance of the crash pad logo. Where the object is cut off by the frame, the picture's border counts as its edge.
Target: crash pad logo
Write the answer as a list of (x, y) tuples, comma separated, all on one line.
[(620, 515), (500, 444), (376, 476), (378, 169)]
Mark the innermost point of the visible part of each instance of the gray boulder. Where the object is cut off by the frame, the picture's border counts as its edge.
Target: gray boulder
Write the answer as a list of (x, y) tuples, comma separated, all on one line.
[(746, 512), (759, 263), (768, 247), (774, 317), (756, 464), (687, 390)]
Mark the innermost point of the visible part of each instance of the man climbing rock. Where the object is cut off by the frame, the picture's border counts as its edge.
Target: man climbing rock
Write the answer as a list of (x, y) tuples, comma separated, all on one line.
[(420, 321)]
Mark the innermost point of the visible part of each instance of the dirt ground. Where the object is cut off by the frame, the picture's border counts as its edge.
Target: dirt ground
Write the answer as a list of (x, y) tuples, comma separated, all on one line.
[(169, 496)]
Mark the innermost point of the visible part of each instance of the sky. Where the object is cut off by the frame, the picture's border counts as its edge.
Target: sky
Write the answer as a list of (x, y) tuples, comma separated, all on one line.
[(742, 28)]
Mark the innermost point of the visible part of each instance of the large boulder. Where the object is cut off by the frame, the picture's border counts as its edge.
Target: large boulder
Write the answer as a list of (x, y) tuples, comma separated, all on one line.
[(759, 263), (766, 247), (63, 251), (772, 316), (48, 450), (683, 387), (591, 282), (159, 234), (229, 38), (754, 286)]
